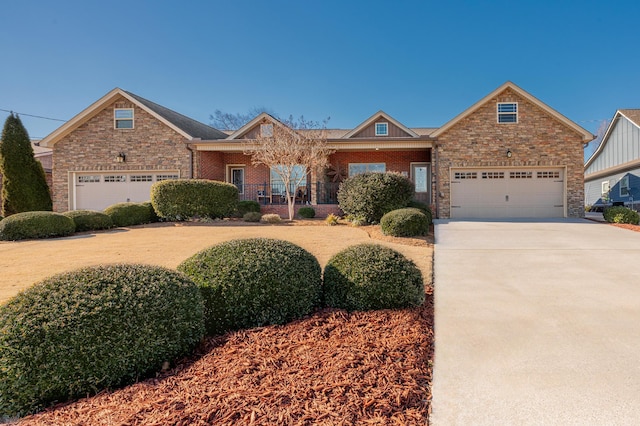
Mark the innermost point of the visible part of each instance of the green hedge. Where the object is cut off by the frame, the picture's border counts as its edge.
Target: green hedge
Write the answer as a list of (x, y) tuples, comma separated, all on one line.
[(185, 199), (247, 206), (367, 197), (89, 220), (307, 212), (371, 276), (406, 222), (252, 217), (77, 333), (620, 214), (254, 282), (422, 206), (128, 214), (153, 215), (26, 225)]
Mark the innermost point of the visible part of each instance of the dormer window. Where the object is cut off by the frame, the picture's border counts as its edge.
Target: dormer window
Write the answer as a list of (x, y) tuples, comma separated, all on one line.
[(266, 130), (382, 129), (507, 112), (123, 118)]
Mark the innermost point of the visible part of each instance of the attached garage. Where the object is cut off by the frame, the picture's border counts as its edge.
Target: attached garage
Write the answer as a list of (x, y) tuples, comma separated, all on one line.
[(507, 192), (99, 190)]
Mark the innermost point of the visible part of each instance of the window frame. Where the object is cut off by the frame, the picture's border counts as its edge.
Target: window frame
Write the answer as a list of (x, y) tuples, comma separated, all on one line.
[(604, 191), (386, 128), (276, 179), (501, 115), (624, 183), (117, 119), (367, 167)]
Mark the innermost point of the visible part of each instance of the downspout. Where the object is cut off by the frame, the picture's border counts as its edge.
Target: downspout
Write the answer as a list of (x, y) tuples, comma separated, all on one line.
[(191, 158)]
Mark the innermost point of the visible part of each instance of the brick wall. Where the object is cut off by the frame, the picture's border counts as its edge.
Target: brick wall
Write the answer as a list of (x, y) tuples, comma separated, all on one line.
[(93, 146), (396, 161), (537, 139)]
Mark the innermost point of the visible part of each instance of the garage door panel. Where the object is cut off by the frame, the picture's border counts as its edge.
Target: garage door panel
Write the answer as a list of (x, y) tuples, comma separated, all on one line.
[(504, 193)]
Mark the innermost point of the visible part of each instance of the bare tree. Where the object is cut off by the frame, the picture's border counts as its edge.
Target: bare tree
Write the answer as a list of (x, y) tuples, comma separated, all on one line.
[(229, 121), (292, 149)]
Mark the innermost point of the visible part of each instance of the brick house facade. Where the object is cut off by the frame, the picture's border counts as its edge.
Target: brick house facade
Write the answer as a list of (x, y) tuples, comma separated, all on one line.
[(91, 150)]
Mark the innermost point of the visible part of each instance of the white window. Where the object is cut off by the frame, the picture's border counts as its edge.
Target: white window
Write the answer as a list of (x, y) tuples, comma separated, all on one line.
[(467, 175), (266, 130), (624, 186), (141, 178), (117, 178), (605, 188), (492, 175), (359, 168), (160, 178), (507, 112), (88, 179), (382, 129), (297, 178), (123, 118)]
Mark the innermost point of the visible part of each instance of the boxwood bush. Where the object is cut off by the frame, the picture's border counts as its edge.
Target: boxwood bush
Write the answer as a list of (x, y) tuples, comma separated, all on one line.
[(406, 222), (185, 199), (89, 220), (254, 282), (153, 215), (307, 212), (371, 276), (128, 214), (83, 331), (369, 196), (252, 217), (25, 225), (422, 206), (620, 214), (247, 206), (271, 218)]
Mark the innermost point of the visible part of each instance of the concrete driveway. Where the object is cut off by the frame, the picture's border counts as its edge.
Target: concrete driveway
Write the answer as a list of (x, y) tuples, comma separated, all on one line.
[(536, 323)]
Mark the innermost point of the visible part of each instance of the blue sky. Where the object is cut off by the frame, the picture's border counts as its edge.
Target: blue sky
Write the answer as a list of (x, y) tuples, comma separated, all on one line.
[(423, 62)]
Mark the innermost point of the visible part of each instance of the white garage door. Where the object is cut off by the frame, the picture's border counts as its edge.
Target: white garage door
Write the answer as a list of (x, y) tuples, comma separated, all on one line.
[(506, 193), (97, 191)]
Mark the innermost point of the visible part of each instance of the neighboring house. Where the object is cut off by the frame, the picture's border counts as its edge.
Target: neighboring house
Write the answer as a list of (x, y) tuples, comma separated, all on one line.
[(45, 156), (612, 173), (509, 155)]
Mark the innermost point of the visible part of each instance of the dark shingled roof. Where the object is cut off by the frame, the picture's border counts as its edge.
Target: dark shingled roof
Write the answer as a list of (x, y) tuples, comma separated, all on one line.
[(192, 127)]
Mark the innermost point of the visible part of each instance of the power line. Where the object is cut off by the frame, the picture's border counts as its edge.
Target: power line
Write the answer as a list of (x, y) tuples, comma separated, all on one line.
[(31, 115)]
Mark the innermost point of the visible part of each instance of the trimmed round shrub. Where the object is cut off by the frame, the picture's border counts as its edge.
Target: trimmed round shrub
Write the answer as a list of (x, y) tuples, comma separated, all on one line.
[(371, 276), (406, 222), (184, 199), (252, 217), (246, 206), (83, 331), (422, 206), (271, 218), (153, 215), (89, 220), (620, 214), (254, 282), (369, 196), (21, 226), (128, 214), (307, 212)]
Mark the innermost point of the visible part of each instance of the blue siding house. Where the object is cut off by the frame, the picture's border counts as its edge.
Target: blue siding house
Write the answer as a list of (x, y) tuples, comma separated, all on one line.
[(612, 174)]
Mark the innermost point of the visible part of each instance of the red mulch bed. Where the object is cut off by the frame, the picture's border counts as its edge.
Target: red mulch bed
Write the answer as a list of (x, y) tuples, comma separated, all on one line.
[(333, 368)]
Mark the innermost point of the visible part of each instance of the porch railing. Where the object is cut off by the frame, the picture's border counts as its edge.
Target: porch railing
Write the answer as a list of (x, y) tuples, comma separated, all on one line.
[(312, 193)]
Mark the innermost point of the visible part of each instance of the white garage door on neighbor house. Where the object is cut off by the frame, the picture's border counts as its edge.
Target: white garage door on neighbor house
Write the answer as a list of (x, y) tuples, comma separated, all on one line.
[(507, 193), (99, 190)]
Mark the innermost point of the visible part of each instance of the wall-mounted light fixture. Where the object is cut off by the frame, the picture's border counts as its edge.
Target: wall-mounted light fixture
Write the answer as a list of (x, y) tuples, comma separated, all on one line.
[(121, 158), (509, 153)]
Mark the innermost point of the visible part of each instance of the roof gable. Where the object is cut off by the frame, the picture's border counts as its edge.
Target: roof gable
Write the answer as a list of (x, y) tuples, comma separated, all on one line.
[(631, 115), (248, 128), (187, 127), (400, 129), (586, 135)]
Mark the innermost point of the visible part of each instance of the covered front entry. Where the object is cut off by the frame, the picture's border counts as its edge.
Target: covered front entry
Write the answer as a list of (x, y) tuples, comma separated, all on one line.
[(99, 190), (507, 192)]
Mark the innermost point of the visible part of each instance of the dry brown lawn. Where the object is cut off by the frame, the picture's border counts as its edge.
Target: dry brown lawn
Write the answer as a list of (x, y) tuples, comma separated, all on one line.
[(331, 368), (168, 244)]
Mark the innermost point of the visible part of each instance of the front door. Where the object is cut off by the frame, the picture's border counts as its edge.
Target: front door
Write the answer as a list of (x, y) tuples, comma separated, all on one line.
[(421, 180), (237, 178)]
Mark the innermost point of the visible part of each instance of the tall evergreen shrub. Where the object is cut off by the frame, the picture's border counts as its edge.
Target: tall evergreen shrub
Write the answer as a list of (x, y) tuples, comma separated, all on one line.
[(24, 185)]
